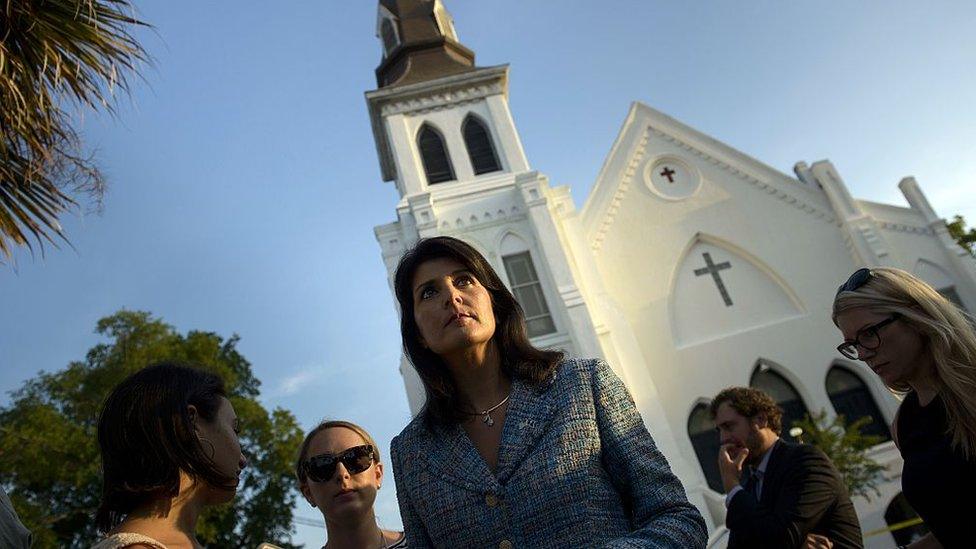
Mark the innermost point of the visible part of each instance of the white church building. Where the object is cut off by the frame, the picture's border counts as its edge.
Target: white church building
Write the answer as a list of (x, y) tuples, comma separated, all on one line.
[(690, 268)]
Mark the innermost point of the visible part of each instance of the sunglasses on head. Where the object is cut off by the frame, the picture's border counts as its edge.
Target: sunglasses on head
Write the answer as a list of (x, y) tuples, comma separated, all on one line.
[(856, 280), (322, 467)]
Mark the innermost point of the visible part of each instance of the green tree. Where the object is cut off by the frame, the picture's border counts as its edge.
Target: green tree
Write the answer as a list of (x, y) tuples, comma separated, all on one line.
[(965, 238), (55, 56), (49, 456), (846, 446)]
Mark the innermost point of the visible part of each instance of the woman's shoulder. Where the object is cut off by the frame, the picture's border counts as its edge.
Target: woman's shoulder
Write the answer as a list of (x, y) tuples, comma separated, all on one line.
[(416, 432), (576, 371), (128, 540)]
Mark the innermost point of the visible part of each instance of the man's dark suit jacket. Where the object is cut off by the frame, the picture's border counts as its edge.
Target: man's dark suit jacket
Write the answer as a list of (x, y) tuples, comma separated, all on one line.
[(801, 493)]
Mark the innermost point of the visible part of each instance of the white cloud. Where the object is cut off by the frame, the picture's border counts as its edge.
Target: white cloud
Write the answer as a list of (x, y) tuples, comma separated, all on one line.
[(295, 382)]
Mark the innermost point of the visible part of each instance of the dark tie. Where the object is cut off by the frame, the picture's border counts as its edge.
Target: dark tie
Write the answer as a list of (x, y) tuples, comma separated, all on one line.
[(752, 483)]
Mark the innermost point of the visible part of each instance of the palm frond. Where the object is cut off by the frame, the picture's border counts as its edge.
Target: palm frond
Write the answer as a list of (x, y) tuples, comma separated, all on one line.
[(56, 56)]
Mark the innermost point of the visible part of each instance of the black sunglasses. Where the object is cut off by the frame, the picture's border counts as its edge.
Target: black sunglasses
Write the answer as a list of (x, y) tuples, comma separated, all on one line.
[(855, 281), (322, 467)]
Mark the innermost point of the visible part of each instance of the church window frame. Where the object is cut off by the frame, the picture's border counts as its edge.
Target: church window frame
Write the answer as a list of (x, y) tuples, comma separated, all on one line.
[(850, 395), (480, 145), (950, 293), (389, 35), (705, 441), (767, 377), (526, 285), (434, 155)]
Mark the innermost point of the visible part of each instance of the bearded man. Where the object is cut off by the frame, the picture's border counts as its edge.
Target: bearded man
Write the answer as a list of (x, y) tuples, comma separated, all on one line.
[(779, 494)]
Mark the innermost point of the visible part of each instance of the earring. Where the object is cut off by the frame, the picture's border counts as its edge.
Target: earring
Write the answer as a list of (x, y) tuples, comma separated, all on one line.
[(213, 450)]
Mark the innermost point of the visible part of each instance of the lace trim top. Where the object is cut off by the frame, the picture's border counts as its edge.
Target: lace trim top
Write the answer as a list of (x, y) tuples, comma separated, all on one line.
[(125, 539)]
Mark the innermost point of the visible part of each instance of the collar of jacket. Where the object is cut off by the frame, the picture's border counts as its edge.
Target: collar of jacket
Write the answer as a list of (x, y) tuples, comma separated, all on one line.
[(452, 454)]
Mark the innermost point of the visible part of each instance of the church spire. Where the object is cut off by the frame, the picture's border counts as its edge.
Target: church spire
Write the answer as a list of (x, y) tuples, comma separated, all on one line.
[(419, 43)]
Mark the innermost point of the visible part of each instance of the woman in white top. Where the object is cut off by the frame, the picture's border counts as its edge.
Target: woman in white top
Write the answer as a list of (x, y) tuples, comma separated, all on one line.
[(169, 445), (339, 472)]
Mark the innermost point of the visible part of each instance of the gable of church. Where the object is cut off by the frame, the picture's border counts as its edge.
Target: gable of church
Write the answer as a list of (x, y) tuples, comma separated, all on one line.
[(719, 289), (682, 169)]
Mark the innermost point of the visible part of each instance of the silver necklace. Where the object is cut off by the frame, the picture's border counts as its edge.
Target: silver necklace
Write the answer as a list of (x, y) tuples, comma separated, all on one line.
[(486, 415)]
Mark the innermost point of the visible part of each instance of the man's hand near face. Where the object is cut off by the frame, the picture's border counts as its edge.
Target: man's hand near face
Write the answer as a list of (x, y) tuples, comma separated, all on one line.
[(730, 460)]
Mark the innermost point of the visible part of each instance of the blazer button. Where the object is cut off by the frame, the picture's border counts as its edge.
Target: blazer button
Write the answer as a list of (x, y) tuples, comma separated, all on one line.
[(505, 544), (491, 500)]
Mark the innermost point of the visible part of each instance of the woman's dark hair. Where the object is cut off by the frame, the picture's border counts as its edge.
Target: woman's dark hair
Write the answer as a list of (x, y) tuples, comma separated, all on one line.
[(146, 438), (519, 359)]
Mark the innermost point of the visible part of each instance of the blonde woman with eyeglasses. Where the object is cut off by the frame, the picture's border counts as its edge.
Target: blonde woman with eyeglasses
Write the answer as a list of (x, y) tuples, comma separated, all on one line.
[(923, 346)]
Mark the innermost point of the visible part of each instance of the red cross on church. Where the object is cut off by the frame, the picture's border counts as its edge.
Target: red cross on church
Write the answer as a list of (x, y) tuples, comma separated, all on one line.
[(669, 173)]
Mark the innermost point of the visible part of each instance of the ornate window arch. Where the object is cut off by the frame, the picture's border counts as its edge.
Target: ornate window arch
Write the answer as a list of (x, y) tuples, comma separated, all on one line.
[(852, 399), (389, 35), (705, 440), (481, 151), (783, 392), (433, 153)]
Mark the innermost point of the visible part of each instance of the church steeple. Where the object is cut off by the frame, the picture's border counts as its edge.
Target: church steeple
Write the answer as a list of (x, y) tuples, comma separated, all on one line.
[(419, 43)]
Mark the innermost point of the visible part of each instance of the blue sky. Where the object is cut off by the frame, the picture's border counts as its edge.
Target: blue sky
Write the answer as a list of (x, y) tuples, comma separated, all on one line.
[(245, 183)]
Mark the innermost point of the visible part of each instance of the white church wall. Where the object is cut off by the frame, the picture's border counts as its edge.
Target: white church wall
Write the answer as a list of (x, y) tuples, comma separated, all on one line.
[(774, 228)]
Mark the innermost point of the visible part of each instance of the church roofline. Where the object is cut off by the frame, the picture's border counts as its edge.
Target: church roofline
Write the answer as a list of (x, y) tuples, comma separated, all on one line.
[(602, 202), (428, 95)]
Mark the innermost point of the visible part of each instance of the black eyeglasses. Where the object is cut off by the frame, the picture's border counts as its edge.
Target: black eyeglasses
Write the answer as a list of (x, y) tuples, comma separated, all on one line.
[(855, 281), (322, 467), (867, 339)]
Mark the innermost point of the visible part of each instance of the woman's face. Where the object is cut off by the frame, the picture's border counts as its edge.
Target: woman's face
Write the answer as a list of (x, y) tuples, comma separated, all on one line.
[(219, 440), (901, 356), (451, 308), (345, 495)]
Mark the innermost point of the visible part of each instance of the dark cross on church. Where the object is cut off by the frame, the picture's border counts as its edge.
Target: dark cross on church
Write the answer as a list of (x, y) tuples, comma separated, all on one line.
[(713, 269), (669, 173)]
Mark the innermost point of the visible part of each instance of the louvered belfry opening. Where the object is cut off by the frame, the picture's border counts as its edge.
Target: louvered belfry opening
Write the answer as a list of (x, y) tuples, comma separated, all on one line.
[(480, 149), (388, 34), (437, 164)]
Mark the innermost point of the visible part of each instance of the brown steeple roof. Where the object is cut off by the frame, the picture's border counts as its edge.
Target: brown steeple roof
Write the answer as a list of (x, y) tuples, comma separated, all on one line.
[(424, 45)]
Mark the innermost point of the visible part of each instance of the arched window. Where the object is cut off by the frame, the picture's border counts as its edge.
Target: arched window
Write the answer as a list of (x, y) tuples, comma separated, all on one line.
[(437, 165), (389, 36), (900, 511), (480, 149), (704, 438), (852, 399), (776, 386), (950, 293)]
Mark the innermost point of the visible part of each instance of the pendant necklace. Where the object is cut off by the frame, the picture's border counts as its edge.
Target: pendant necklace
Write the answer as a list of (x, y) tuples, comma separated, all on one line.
[(486, 415)]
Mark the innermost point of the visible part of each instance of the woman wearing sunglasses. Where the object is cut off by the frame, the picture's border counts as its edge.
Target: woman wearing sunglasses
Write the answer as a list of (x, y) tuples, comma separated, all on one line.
[(515, 446), (168, 439), (339, 471), (922, 346)]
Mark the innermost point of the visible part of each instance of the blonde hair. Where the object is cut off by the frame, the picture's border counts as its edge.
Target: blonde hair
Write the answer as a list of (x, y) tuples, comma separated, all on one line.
[(946, 331), (329, 424)]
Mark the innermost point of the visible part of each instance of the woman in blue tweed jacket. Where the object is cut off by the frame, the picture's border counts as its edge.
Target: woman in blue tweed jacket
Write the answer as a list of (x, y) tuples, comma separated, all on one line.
[(515, 446)]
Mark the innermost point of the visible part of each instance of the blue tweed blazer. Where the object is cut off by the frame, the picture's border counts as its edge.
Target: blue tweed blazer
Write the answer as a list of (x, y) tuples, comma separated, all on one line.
[(576, 468)]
